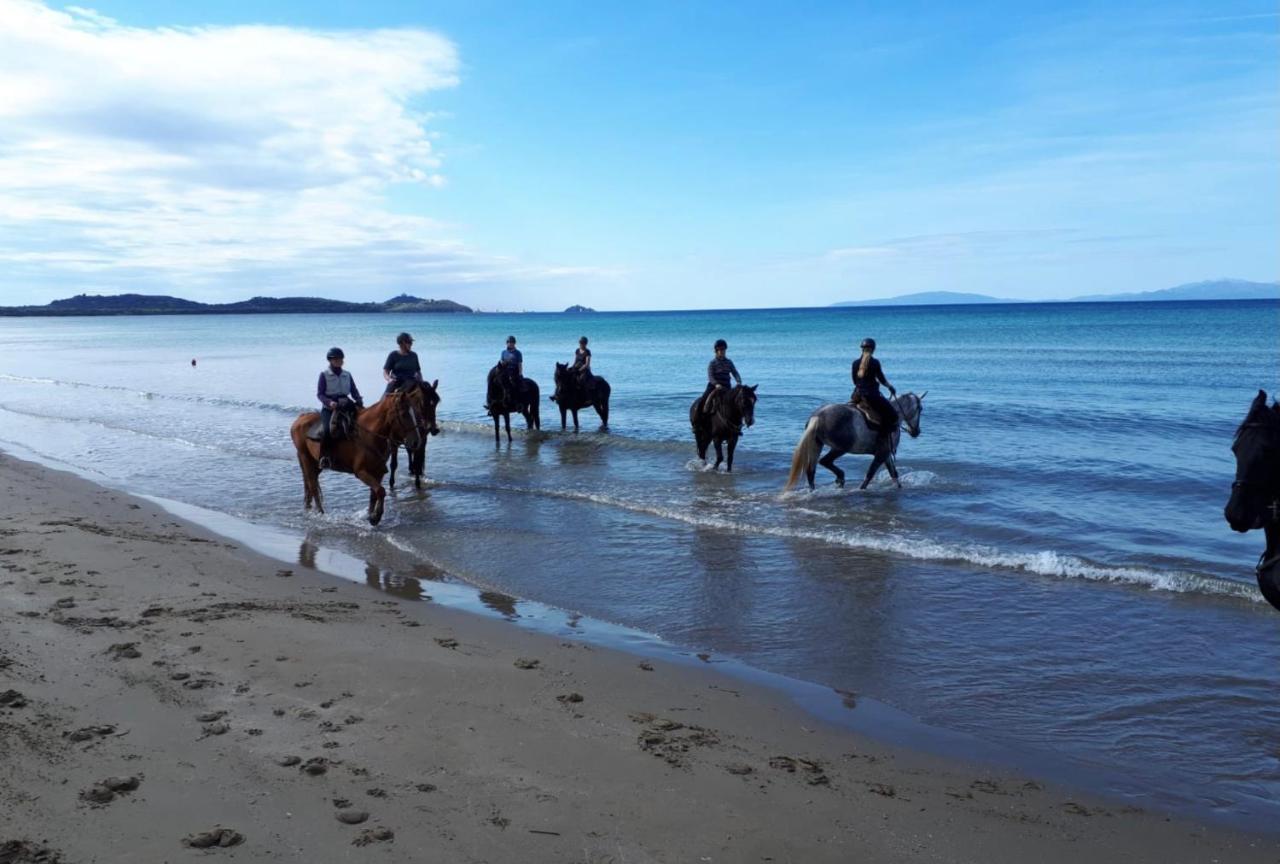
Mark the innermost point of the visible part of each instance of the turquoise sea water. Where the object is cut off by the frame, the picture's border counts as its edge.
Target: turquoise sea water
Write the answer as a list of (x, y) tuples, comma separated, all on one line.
[(1056, 577)]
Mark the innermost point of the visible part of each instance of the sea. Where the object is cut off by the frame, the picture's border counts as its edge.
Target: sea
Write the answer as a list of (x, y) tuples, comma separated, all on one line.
[(1053, 589)]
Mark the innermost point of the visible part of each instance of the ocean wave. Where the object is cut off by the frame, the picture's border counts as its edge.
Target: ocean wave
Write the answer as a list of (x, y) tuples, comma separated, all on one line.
[(1047, 563), (219, 401)]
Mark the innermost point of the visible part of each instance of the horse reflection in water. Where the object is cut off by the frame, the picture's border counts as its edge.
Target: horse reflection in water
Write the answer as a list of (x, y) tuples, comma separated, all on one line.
[(1255, 494)]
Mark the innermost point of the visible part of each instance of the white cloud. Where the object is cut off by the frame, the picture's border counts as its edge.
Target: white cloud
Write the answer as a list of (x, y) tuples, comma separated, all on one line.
[(219, 161)]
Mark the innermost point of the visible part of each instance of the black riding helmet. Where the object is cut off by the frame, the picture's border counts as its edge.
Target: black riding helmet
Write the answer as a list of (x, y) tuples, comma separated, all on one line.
[(404, 338), (582, 341), (869, 344), (335, 353), (720, 343)]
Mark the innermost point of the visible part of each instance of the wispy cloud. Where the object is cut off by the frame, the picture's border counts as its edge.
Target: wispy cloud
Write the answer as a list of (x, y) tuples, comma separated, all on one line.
[(215, 161)]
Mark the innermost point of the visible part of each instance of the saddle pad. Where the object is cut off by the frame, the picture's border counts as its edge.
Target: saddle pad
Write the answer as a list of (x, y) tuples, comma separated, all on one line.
[(315, 431)]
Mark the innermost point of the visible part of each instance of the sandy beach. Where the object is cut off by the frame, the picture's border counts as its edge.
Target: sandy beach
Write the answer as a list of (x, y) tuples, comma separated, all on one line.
[(166, 695)]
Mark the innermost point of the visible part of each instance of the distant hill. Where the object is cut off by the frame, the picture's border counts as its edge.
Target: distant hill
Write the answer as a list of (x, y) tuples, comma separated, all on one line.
[(576, 308), (926, 298), (1214, 289), (145, 304)]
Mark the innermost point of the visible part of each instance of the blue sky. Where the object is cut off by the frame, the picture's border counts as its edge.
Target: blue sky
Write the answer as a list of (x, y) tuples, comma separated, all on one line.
[(662, 155)]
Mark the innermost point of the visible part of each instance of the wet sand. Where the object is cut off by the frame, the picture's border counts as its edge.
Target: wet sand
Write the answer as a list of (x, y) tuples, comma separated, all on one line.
[(166, 695)]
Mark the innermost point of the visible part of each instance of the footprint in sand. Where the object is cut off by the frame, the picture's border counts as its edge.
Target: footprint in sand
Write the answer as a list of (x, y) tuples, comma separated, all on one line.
[(315, 766), (527, 663), (88, 733), (105, 791), (289, 761), (445, 642), (373, 835), (352, 817), (211, 716), (219, 837), (12, 699)]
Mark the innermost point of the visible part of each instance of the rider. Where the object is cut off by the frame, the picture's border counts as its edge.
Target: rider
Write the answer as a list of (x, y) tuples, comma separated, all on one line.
[(402, 365), (336, 391), (510, 370), (582, 362), (867, 378), (719, 371)]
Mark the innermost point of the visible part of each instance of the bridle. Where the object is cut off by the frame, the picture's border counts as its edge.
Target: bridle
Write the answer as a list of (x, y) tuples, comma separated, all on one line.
[(1266, 487)]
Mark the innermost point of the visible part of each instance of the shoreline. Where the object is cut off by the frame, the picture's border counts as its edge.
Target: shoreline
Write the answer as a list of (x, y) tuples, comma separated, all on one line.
[(462, 738)]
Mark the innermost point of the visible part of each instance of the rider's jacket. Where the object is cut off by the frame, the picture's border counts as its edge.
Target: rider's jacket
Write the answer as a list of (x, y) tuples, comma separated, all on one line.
[(870, 382), (720, 369), (334, 384)]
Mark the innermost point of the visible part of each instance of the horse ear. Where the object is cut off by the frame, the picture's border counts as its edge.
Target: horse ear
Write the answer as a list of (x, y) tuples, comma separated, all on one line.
[(753, 387), (924, 394), (435, 385)]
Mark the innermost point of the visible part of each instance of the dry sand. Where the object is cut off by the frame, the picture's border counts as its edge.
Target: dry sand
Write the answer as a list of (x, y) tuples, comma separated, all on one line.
[(161, 684)]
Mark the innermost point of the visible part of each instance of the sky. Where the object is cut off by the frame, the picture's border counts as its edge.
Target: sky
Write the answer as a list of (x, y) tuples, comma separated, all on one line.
[(663, 155)]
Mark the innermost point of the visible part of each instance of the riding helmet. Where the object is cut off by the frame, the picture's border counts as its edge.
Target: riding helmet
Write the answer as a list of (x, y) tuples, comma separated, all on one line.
[(403, 338), (335, 352), (720, 343), (869, 343), (511, 338), (582, 341)]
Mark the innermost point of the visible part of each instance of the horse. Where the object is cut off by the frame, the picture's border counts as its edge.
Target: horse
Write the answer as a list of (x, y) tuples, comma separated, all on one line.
[(572, 395), (1255, 494), (400, 417), (503, 403), (844, 429), (733, 409), (418, 455)]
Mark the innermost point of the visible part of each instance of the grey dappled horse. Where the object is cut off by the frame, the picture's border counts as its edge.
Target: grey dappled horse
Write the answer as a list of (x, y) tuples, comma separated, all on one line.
[(844, 429)]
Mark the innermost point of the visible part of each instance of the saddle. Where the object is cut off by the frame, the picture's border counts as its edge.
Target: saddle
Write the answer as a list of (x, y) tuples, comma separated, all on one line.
[(872, 416), (341, 425)]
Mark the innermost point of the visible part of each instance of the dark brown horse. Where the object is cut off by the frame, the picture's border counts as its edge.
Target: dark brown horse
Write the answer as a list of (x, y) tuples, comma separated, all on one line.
[(573, 394), (506, 396), (397, 418), (418, 455), (1255, 494), (734, 409)]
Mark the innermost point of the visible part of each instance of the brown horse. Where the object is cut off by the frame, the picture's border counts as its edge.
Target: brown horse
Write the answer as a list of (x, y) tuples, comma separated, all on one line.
[(402, 417)]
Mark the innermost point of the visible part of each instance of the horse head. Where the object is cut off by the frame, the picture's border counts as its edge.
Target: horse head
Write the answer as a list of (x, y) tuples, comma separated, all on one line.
[(430, 395), (1257, 485), (563, 380), (911, 407), (745, 400)]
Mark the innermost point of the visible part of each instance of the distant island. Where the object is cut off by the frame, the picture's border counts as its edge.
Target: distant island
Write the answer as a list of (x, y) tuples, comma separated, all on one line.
[(1214, 289), (159, 304), (926, 298), (576, 308)]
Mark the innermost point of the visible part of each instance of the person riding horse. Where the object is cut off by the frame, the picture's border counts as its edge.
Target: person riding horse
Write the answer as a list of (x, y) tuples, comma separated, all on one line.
[(867, 378), (402, 366), (510, 375), (582, 363), (337, 392), (719, 371)]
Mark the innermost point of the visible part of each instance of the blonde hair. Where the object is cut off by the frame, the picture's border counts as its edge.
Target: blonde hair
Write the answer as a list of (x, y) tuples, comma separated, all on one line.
[(862, 367)]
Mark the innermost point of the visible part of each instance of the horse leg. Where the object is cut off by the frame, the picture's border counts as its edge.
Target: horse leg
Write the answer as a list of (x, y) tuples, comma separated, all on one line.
[(395, 451), (575, 419), (377, 495), (506, 421), (420, 469), (733, 445), (602, 408), (564, 417), (892, 464), (1269, 576), (876, 461), (719, 452), (829, 462), (497, 435)]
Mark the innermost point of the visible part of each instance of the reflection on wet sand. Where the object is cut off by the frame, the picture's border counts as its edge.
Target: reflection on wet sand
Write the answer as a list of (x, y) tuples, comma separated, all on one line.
[(503, 604)]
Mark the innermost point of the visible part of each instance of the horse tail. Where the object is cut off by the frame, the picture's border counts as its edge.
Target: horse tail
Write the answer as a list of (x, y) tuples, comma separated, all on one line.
[(806, 454)]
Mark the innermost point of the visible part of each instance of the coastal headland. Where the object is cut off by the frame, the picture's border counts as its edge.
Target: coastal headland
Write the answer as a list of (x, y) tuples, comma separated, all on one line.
[(164, 691)]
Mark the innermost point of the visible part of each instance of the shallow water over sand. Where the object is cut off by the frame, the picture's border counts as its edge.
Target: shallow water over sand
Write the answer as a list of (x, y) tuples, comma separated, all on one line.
[(1056, 577)]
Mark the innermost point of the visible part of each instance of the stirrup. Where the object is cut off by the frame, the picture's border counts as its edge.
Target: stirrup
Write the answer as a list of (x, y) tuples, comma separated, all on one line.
[(326, 463)]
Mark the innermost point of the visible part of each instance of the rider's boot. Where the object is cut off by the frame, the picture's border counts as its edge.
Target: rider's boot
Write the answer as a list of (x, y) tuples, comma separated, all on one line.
[(325, 463)]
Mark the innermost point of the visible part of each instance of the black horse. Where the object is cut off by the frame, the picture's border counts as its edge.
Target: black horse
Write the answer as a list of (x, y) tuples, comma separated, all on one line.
[(1255, 495), (572, 394), (507, 397), (733, 409), (417, 455)]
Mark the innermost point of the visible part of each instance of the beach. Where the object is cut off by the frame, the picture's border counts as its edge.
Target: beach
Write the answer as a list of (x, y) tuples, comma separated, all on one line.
[(161, 685)]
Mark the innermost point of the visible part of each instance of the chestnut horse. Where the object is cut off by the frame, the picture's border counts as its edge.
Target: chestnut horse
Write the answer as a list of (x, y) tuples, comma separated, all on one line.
[(402, 417)]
